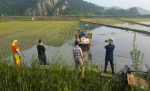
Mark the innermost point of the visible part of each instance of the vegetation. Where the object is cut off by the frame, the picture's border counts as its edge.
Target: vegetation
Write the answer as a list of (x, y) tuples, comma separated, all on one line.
[(80, 7), (104, 21), (16, 7), (131, 11), (28, 33), (58, 78), (136, 19), (137, 57)]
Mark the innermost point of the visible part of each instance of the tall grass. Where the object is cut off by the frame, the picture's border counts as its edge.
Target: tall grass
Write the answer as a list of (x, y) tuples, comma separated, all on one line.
[(58, 78)]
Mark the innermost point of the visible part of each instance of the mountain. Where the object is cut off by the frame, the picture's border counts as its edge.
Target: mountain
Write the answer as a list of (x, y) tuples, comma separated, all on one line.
[(57, 7), (130, 11), (113, 7), (63, 7), (142, 11)]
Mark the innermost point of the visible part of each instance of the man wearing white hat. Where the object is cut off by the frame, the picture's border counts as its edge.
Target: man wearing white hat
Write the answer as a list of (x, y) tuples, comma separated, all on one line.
[(109, 54)]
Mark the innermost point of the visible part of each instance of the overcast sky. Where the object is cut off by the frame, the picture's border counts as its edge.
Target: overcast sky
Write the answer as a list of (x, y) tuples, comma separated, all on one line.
[(145, 4)]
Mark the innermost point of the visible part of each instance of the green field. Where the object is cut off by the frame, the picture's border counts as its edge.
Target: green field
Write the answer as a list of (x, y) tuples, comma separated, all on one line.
[(104, 21), (58, 78), (136, 19), (28, 33)]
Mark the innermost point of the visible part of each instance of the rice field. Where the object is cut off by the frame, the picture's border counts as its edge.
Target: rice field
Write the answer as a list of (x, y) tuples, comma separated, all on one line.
[(136, 19), (121, 24), (104, 21), (139, 20), (53, 33), (60, 76)]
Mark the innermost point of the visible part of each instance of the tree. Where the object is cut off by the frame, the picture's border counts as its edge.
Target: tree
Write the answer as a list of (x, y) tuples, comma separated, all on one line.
[(133, 11), (49, 10)]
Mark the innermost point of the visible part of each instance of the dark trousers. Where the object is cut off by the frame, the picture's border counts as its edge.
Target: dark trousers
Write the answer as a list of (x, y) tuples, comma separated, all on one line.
[(111, 63), (79, 36)]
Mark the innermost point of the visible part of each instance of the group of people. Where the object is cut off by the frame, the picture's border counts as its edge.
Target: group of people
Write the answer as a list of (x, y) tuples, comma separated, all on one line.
[(77, 54), (79, 59), (41, 53), (81, 34)]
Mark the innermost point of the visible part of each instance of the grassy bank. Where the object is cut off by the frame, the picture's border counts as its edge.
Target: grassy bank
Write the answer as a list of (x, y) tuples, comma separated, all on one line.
[(136, 19), (53, 33), (103, 21)]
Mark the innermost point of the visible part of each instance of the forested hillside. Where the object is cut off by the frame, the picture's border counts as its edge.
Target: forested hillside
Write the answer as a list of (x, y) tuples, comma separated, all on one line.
[(56, 7), (131, 11), (80, 7), (16, 7)]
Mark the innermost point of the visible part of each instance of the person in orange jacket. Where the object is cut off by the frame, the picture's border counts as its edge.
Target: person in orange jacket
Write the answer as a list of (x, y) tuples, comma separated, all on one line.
[(16, 52)]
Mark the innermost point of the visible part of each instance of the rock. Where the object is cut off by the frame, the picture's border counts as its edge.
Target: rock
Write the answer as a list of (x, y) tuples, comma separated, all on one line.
[(41, 6)]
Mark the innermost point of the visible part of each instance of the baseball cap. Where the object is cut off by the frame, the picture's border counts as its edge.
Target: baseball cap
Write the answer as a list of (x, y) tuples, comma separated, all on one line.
[(111, 39)]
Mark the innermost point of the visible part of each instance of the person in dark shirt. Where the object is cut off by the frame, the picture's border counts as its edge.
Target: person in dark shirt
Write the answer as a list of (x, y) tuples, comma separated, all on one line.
[(41, 53), (79, 32), (109, 54)]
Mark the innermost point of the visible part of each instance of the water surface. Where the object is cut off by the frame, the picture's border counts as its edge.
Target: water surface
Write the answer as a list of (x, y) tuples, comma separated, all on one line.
[(134, 26), (145, 22)]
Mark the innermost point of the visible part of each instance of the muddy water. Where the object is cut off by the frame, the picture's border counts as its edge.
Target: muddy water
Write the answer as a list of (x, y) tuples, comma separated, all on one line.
[(95, 51)]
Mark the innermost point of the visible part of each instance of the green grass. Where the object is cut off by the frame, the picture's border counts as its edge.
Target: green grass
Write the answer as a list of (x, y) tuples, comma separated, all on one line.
[(104, 21), (53, 33), (136, 19), (58, 78)]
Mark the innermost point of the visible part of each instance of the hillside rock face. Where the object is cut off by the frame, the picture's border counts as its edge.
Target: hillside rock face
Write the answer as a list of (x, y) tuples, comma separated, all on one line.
[(41, 6)]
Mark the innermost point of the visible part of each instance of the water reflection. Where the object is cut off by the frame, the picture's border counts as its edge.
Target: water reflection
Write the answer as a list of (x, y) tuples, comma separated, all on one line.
[(86, 52), (91, 26)]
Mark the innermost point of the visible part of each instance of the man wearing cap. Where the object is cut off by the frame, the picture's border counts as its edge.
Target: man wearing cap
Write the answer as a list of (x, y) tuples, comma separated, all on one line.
[(78, 57), (109, 54)]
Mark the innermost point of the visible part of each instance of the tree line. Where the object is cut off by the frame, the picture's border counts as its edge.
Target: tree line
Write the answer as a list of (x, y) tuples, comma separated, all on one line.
[(16, 7)]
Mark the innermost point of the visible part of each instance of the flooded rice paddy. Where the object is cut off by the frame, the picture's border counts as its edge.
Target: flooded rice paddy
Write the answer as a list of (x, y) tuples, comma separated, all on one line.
[(134, 26), (145, 22), (95, 51)]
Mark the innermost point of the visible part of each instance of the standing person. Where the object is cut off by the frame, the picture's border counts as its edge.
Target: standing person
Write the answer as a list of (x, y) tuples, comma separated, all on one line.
[(109, 54), (78, 57), (41, 54), (79, 32), (16, 54)]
